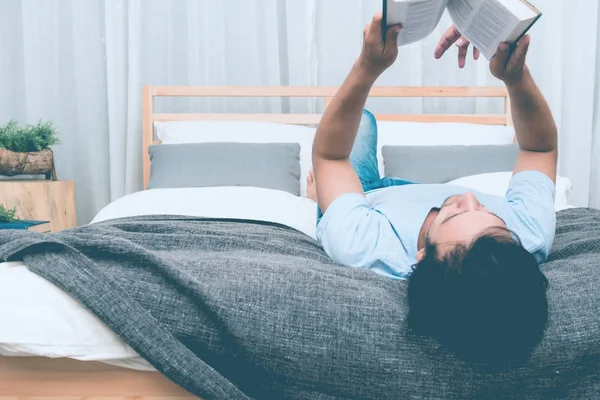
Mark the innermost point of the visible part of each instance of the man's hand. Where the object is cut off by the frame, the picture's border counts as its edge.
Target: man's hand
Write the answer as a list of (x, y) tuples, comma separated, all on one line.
[(450, 37), (509, 66), (377, 56)]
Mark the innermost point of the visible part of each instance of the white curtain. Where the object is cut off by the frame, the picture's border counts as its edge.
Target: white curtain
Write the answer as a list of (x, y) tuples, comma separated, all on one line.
[(82, 63)]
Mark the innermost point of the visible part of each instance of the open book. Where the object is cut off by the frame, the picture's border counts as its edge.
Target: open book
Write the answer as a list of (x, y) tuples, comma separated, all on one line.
[(485, 23)]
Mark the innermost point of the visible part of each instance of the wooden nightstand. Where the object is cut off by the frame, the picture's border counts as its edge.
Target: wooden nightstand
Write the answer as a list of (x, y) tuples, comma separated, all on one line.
[(52, 201)]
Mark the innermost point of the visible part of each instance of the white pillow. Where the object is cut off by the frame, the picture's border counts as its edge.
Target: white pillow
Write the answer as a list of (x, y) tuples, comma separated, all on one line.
[(178, 132), (440, 134), (496, 183)]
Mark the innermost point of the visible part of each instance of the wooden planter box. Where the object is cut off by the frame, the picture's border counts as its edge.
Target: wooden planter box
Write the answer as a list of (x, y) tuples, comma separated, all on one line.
[(38, 163)]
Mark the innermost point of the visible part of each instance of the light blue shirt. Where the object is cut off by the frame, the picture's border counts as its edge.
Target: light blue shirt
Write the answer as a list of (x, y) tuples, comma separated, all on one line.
[(379, 231)]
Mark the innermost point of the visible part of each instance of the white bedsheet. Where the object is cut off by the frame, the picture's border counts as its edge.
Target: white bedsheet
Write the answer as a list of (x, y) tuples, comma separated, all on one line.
[(39, 319), (219, 202)]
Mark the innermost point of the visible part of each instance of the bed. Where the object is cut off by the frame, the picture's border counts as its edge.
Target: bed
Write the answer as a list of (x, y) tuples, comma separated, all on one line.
[(87, 369)]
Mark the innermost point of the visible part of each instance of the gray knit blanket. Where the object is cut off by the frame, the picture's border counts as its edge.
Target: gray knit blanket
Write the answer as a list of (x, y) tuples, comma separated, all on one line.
[(238, 309)]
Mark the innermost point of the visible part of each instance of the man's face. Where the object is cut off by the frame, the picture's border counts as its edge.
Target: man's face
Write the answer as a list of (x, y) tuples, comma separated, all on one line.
[(461, 220)]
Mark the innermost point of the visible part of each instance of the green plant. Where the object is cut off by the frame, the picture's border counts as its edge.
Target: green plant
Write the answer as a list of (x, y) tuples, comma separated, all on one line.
[(30, 138), (7, 215)]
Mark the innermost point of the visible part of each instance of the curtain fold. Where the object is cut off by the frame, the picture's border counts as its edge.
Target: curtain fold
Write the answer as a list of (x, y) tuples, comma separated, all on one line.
[(594, 183), (116, 42), (82, 63)]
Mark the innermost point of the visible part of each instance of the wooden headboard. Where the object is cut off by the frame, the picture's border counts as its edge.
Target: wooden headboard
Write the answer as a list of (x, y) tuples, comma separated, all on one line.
[(151, 92)]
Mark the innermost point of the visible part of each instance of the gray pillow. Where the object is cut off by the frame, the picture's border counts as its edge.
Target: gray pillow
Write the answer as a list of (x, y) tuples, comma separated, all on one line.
[(441, 164), (268, 165)]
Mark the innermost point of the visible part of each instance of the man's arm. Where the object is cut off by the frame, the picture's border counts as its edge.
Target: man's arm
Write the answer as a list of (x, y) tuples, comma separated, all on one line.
[(535, 129), (534, 125), (334, 175)]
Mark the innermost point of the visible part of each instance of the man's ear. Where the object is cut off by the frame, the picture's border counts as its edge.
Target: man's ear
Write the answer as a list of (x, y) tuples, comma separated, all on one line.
[(420, 255)]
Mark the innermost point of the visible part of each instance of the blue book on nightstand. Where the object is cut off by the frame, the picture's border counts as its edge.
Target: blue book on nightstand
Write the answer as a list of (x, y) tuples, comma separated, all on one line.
[(38, 226)]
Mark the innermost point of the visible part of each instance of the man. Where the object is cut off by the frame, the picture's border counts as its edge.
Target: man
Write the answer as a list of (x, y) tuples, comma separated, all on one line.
[(472, 260)]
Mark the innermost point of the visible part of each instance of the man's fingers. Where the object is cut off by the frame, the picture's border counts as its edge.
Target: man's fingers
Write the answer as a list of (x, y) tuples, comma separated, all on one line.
[(476, 53), (376, 22), (391, 37), (501, 58), (520, 53), (448, 39), (462, 55), (374, 28), (463, 42)]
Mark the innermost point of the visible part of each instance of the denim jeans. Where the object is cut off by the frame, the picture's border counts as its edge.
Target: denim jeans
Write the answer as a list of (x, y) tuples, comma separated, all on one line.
[(364, 159)]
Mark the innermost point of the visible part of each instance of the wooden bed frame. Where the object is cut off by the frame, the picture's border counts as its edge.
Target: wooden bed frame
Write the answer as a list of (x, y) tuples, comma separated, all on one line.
[(29, 378), (54, 379)]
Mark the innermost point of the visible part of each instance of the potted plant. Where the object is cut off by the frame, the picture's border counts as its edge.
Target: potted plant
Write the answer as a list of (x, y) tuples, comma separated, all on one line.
[(7, 215), (26, 150)]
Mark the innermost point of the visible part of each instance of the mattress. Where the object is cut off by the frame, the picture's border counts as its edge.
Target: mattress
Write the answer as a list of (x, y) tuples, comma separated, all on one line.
[(39, 319)]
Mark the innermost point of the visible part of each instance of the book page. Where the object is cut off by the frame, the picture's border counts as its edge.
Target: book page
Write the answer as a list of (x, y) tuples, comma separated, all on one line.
[(519, 30), (522, 9), (419, 18), (485, 23)]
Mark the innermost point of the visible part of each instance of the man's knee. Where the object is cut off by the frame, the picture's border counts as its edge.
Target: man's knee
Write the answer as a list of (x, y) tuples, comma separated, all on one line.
[(368, 118), (368, 125)]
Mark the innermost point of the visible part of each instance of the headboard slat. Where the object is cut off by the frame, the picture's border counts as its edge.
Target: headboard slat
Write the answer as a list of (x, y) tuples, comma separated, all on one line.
[(325, 91)]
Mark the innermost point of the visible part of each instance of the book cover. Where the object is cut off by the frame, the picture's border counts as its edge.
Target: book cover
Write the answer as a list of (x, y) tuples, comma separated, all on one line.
[(25, 225)]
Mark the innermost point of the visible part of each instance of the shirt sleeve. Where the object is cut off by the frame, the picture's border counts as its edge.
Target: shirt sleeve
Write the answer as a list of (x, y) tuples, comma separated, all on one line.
[(355, 234), (531, 197)]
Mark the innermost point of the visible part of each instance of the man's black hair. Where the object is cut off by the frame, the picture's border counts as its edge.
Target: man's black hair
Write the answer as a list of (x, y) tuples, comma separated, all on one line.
[(485, 302)]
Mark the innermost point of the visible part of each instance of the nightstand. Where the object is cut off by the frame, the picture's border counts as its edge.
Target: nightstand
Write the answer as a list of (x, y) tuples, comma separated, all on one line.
[(52, 201)]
